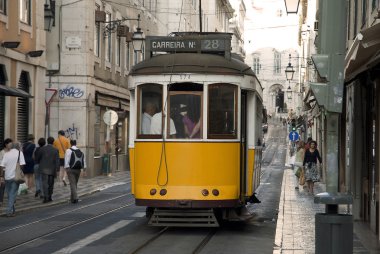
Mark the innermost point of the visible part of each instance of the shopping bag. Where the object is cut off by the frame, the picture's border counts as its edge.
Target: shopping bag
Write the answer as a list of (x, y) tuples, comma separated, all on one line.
[(19, 175), (22, 189), (302, 177)]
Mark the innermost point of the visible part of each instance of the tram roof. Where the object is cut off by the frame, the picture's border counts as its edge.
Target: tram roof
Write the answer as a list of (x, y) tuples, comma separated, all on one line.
[(192, 63)]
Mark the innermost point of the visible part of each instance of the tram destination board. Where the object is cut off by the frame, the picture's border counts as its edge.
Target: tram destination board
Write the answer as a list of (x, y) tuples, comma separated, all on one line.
[(178, 44)]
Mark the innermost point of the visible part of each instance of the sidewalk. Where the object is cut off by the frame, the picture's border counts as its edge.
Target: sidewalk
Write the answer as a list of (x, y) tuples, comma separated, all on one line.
[(61, 194), (295, 232)]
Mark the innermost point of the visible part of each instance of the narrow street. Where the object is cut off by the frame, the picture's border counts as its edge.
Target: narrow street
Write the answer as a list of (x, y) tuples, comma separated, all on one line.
[(109, 222)]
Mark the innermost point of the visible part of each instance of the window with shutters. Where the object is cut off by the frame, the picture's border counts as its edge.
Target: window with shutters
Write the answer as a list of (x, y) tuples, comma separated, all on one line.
[(23, 109)]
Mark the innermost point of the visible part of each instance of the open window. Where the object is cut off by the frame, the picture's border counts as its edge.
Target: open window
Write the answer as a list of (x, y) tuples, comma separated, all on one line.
[(149, 111), (185, 111), (222, 111)]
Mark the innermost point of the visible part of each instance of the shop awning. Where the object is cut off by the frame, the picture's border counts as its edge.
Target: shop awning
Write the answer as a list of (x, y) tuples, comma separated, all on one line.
[(11, 91), (364, 52), (111, 101)]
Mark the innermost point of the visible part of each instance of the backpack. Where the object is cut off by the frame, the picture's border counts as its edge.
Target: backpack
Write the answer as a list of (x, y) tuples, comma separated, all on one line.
[(76, 159)]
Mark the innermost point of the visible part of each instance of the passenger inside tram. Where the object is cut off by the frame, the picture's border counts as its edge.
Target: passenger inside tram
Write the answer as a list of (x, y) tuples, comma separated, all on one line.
[(149, 110), (156, 125)]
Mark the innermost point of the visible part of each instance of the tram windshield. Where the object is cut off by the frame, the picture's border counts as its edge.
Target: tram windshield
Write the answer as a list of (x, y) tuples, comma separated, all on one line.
[(186, 114)]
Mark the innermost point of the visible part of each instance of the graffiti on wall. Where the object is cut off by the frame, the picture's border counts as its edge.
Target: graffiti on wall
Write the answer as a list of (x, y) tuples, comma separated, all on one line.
[(72, 133), (70, 91)]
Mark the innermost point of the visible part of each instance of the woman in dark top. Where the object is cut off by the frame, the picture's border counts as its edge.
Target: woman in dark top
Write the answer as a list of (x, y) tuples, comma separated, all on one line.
[(28, 169), (310, 165)]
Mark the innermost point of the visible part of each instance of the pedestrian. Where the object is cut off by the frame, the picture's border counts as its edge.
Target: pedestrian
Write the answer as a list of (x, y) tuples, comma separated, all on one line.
[(62, 144), (48, 159), (37, 174), (28, 150), (307, 145), (310, 166), (8, 173), (2, 181), (74, 163), (300, 154)]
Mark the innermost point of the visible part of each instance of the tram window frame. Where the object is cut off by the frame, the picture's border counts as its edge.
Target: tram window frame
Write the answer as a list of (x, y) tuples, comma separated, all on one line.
[(178, 92), (234, 133), (139, 107)]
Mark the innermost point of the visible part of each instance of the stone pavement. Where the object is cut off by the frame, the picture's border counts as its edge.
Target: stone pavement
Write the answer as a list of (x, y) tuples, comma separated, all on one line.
[(61, 194), (295, 231)]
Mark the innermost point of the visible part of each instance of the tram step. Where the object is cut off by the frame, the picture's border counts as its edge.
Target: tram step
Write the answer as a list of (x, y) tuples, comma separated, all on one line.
[(183, 218)]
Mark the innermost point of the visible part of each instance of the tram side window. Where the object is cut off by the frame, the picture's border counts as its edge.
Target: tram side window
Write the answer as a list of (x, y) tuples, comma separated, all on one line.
[(149, 108), (222, 103), (185, 114)]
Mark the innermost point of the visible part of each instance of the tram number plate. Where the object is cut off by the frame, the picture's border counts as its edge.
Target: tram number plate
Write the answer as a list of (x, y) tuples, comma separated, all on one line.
[(213, 45)]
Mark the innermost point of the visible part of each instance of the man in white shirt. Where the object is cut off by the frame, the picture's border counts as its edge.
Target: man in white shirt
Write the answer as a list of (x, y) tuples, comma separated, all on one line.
[(149, 111), (156, 125), (73, 173), (8, 166)]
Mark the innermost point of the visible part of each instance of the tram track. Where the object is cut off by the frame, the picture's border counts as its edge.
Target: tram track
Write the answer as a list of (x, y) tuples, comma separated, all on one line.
[(12, 245), (196, 250)]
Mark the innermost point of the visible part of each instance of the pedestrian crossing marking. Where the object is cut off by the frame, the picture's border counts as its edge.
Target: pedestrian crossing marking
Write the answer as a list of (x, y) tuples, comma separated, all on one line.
[(94, 237)]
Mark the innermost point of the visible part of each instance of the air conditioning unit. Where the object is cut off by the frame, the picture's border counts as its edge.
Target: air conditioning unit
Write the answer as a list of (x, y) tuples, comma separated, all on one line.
[(100, 16), (316, 25)]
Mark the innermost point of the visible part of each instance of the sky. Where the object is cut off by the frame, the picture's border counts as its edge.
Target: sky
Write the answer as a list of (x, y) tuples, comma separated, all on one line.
[(268, 25)]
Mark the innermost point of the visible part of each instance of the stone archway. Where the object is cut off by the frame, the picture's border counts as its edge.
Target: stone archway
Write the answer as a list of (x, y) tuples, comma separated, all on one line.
[(277, 101)]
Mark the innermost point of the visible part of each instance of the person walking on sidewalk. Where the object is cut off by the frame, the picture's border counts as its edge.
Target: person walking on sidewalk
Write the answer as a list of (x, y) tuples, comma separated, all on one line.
[(37, 174), (62, 144), (310, 166), (8, 173), (6, 149), (28, 150), (48, 160), (74, 163), (300, 154)]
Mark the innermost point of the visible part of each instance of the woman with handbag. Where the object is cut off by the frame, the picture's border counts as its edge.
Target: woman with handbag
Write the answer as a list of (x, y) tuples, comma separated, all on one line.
[(12, 161), (310, 166)]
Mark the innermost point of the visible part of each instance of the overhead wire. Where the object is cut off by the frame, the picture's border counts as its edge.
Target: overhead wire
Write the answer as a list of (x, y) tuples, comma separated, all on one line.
[(164, 109)]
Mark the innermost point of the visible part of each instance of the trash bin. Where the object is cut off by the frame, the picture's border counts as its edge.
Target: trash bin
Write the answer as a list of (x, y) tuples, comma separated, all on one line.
[(333, 231), (106, 164)]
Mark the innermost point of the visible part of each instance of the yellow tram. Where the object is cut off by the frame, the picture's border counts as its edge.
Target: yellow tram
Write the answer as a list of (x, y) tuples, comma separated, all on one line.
[(195, 129)]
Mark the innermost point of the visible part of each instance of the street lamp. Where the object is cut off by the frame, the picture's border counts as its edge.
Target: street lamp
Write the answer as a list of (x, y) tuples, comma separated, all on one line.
[(138, 37), (289, 92), (48, 17), (289, 71), (291, 6), (112, 26)]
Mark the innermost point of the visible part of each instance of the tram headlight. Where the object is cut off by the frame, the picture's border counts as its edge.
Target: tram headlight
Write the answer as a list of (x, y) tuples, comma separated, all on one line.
[(153, 192), (163, 192), (215, 192), (205, 192)]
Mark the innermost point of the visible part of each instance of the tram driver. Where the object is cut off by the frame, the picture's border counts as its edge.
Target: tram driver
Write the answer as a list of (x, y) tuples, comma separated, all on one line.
[(149, 110), (156, 125)]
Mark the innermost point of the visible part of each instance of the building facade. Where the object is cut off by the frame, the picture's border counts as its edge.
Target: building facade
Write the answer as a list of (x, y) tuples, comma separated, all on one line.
[(22, 70)]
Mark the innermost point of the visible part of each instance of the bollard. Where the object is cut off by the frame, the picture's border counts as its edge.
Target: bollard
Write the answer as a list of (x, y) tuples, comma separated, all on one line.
[(333, 231), (106, 164)]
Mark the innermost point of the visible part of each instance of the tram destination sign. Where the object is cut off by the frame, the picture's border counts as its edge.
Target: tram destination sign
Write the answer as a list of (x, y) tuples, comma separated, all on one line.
[(168, 44)]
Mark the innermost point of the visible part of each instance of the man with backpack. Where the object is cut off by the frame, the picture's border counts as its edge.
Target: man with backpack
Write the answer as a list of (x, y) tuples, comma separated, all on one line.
[(74, 163)]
